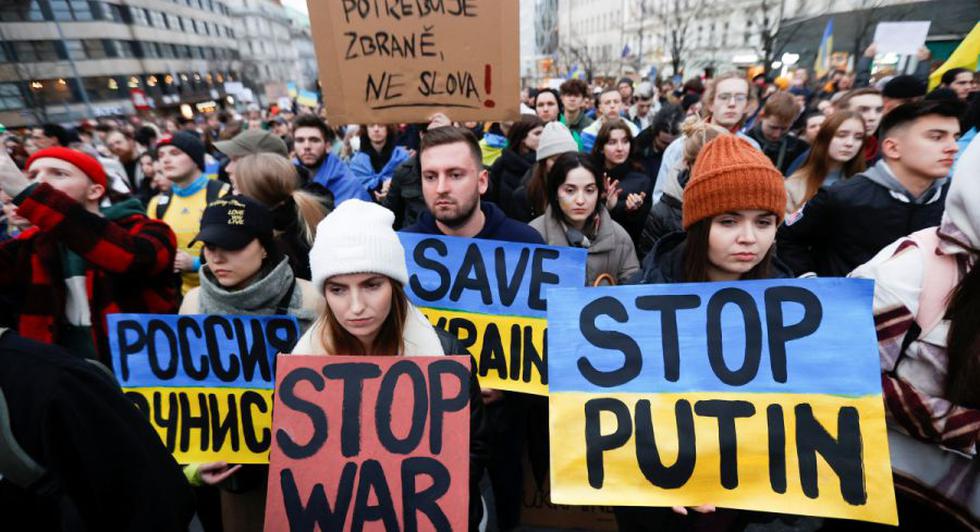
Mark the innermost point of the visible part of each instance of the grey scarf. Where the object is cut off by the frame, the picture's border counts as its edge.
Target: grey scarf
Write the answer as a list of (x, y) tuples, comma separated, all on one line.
[(261, 297)]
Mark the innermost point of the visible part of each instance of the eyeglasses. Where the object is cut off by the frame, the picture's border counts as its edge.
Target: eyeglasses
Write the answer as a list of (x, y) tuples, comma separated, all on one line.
[(739, 98)]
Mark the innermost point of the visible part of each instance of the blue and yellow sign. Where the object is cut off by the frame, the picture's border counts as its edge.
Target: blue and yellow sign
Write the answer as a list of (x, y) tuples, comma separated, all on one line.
[(491, 295), (760, 395), (204, 382)]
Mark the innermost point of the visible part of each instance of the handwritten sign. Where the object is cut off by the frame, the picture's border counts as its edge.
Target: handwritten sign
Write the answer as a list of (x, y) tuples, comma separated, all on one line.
[(377, 443), (393, 62), (491, 295), (204, 382), (761, 395)]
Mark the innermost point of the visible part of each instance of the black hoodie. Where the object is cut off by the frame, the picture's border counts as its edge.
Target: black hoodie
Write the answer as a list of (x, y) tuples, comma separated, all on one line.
[(665, 263), (496, 227)]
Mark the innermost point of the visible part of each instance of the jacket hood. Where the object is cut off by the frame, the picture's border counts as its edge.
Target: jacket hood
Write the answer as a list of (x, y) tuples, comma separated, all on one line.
[(123, 209), (964, 192), (665, 262), (883, 176)]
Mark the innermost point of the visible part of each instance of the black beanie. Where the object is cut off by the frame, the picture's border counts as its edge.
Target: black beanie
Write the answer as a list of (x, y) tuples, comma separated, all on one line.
[(188, 143), (904, 87)]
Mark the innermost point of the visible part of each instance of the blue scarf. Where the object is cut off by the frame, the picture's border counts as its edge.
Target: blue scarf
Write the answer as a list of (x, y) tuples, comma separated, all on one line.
[(193, 188)]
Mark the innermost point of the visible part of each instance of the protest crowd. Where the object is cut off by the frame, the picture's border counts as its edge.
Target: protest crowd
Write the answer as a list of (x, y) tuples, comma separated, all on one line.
[(276, 212)]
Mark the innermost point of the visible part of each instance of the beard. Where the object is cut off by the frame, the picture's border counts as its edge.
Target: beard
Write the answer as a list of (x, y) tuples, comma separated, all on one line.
[(316, 164), (457, 214)]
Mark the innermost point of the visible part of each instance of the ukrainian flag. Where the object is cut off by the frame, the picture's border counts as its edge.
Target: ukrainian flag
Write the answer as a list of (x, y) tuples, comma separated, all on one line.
[(822, 64), (964, 56)]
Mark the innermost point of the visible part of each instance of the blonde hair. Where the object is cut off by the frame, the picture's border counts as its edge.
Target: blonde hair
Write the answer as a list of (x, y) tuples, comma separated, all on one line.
[(698, 132), (272, 179)]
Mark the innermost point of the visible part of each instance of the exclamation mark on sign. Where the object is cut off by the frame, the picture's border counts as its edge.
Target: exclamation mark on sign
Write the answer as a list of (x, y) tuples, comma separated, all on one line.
[(488, 85)]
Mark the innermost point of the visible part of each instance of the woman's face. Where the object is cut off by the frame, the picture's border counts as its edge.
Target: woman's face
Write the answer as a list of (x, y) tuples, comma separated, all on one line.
[(847, 141), (377, 133), (10, 211), (146, 164), (533, 139), (812, 127), (578, 196), (360, 302), (617, 149), (235, 268), (738, 241), (546, 105)]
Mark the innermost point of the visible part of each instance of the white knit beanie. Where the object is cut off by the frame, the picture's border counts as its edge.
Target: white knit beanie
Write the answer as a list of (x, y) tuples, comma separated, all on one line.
[(357, 237), (555, 140)]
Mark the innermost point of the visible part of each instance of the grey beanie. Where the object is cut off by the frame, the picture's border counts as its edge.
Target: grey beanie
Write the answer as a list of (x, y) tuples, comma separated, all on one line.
[(555, 140)]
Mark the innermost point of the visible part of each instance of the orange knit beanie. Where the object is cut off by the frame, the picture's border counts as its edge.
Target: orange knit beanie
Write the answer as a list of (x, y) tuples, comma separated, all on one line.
[(732, 175)]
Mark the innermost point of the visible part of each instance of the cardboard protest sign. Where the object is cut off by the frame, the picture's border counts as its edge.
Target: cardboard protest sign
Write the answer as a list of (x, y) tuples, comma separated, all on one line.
[(376, 443), (204, 382), (491, 295), (761, 395), (394, 62)]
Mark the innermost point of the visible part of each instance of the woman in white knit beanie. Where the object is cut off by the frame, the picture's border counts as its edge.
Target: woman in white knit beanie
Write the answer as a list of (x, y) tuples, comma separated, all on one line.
[(358, 264)]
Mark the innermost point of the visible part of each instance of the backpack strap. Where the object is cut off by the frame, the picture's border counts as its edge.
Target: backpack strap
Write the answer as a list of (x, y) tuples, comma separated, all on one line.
[(163, 204), (940, 275), (214, 190)]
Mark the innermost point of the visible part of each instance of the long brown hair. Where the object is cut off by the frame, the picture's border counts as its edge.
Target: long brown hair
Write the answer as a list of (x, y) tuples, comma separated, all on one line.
[(271, 179), (963, 342), (390, 340), (602, 138), (817, 164), (696, 256), (537, 188)]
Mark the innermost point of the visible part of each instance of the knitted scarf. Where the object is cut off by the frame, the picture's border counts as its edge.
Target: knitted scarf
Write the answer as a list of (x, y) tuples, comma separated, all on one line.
[(261, 297)]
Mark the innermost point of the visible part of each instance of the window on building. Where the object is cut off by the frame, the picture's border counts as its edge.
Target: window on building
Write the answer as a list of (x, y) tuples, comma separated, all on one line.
[(21, 11), (10, 97), (157, 20), (36, 51), (71, 9), (112, 12), (181, 23), (95, 49), (74, 49)]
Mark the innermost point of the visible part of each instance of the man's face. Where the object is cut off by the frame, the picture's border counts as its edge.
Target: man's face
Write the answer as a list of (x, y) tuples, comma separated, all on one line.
[(731, 98), (662, 140), (774, 128), (925, 147), (871, 107), (146, 164), (546, 106), (452, 183), (176, 165), (310, 146), (812, 127), (67, 178), (41, 140), (963, 85), (120, 146), (643, 107), (625, 91), (280, 129), (572, 102), (610, 105)]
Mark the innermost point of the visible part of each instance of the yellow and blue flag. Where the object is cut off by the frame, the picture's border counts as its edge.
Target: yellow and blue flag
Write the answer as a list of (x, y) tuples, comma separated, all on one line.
[(822, 64)]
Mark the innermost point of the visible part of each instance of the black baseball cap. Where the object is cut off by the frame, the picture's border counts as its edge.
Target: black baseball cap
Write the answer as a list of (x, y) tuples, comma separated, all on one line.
[(232, 222)]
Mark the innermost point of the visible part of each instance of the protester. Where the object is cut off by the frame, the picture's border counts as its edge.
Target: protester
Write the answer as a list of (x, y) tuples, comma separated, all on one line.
[(625, 88), (362, 275), (726, 100), (273, 181), (610, 108), (77, 454), (732, 206), (124, 147), (81, 262), (182, 161), (312, 138), (375, 162), (927, 313), (245, 273), (837, 153), (901, 89), (249, 142), (845, 225), (12, 224), (627, 193), (506, 173), (771, 130), (574, 96), (961, 80), (49, 136), (645, 106), (576, 216), (666, 214), (547, 105), (530, 198), (812, 120)]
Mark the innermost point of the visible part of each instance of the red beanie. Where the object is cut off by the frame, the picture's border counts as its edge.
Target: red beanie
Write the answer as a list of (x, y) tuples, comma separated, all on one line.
[(85, 162)]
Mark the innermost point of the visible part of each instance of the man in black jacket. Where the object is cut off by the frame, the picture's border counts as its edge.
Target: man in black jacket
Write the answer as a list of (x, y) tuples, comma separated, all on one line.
[(845, 225), (74, 452)]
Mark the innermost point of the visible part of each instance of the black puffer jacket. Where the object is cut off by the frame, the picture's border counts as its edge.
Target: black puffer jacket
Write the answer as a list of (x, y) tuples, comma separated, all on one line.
[(664, 218), (506, 174), (479, 447), (665, 263), (631, 181), (405, 195)]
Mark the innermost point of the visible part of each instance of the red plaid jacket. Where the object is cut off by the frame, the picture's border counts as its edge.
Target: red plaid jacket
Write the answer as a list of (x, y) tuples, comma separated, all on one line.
[(130, 265)]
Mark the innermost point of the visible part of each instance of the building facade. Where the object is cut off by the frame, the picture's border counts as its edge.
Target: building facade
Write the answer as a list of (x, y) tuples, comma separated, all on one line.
[(62, 60), (591, 36), (265, 41)]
